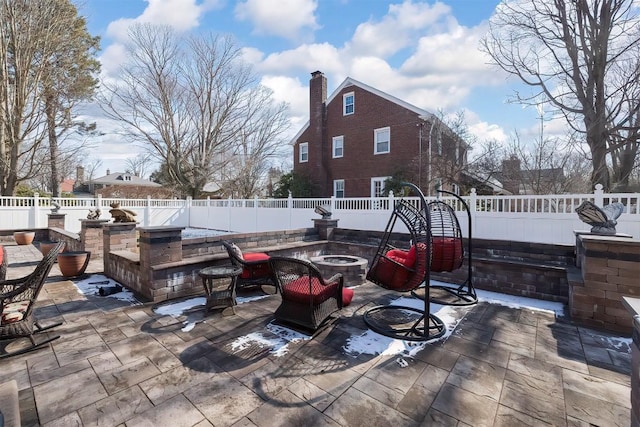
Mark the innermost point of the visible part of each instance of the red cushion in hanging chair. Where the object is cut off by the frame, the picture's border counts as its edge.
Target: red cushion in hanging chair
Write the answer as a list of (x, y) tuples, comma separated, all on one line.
[(391, 272), (447, 254), (406, 258)]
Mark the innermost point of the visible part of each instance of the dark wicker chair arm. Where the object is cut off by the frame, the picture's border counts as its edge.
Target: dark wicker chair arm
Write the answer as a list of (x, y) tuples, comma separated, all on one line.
[(13, 287)]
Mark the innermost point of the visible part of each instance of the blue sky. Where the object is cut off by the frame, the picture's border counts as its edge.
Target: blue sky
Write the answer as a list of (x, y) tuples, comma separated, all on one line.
[(424, 52)]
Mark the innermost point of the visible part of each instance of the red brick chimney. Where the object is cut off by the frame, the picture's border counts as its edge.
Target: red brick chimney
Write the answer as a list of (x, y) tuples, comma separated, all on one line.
[(317, 109)]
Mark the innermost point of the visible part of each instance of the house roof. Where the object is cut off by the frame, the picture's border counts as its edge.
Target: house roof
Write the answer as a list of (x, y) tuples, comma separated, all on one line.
[(424, 114), (123, 178)]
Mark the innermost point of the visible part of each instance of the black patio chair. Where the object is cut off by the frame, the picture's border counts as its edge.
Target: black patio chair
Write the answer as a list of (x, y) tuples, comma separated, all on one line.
[(308, 300), (17, 300)]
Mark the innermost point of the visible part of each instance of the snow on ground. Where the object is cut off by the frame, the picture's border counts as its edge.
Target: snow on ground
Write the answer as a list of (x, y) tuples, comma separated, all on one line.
[(179, 308), (373, 343), (278, 344), (192, 233), (92, 285)]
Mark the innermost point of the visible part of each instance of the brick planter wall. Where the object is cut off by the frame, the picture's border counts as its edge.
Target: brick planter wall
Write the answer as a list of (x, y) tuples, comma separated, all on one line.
[(609, 270), (56, 220), (517, 268), (91, 236)]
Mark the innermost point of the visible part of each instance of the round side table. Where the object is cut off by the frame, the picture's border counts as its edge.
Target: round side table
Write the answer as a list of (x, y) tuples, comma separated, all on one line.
[(219, 296)]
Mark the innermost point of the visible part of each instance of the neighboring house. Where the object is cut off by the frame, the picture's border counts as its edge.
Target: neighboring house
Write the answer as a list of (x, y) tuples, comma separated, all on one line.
[(121, 184), (67, 184), (359, 136), (530, 181)]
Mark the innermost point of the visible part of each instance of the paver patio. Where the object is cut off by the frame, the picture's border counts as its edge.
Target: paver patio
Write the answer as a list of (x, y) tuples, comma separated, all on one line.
[(121, 364)]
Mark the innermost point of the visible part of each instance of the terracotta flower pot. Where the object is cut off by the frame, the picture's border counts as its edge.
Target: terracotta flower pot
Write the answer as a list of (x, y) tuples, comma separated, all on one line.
[(24, 237), (73, 264), (45, 247)]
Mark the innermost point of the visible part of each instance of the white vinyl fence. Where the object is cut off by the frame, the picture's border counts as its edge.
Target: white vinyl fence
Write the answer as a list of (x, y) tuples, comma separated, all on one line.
[(540, 219)]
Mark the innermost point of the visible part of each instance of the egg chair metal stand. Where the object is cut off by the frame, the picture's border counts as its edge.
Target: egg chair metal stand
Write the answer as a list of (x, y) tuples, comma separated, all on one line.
[(448, 253), (403, 270)]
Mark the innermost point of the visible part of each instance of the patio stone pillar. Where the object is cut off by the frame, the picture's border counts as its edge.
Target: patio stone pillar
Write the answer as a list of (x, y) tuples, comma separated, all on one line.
[(325, 227), (91, 236), (633, 305), (609, 270), (158, 245), (56, 220)]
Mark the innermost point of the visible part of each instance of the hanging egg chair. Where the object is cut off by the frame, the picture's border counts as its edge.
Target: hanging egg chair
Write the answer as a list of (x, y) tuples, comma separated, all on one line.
[(402, 265), (448, 252)]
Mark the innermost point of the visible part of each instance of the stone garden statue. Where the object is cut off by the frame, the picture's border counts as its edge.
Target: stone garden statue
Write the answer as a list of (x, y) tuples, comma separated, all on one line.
[(94, 213), (602, 221), (324, 211), (56, 207), (121, 215)]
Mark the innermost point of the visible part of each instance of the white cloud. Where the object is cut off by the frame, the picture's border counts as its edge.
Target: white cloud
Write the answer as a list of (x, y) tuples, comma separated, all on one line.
[(483, 130), (398, 28), (182, 15), (305, 58), (284, 18)]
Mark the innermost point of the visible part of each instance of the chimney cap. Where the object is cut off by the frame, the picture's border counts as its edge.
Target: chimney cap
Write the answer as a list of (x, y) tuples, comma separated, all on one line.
[(316, 74)]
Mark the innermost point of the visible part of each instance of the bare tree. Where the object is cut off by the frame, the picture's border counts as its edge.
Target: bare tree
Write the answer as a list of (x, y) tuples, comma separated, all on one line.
[(449, 145), (192, 101), (33, 33), (139, 165), (582, 56), (246, 172)]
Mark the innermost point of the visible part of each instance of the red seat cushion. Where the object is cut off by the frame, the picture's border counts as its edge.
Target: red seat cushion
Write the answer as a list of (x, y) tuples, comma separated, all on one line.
[(347, 296), (256, 256), (260, 269), (447, 254), (298, 290), (390, 274), (406, 258)]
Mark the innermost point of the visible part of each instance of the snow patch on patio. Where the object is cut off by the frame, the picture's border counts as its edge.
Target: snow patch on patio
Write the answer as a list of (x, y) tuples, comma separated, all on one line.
[(521, 302), (177, 309), (192, 233), (373, 343), (92, 285), (278, 344)]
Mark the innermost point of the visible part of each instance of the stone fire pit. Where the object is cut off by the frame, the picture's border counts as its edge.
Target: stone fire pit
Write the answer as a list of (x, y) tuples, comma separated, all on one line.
[(353, 268)]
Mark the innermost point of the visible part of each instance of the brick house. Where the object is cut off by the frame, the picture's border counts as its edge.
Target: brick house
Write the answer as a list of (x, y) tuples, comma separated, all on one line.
[(359, 136)]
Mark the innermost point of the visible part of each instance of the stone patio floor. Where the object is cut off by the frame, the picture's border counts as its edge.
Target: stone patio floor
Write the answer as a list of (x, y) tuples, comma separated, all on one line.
[(117, 364)]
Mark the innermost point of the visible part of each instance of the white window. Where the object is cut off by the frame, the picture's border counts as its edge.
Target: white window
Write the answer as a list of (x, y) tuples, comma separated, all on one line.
[(338, 146), (381, 140), (338, 188), (439, 143), (348, 103), (304, 152), (456, 189), (377, 186)]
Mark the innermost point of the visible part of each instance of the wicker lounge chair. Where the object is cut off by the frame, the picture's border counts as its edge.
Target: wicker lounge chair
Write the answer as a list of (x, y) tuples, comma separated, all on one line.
[(255, 266), (307, 299), (17, 299)]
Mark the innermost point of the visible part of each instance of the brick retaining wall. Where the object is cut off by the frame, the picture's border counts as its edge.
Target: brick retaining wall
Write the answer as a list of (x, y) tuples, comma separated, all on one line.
[(609, 270)]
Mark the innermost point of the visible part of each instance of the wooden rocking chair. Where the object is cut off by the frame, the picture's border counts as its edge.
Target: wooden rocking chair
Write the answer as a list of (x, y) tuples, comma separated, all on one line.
[(17, 300)]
